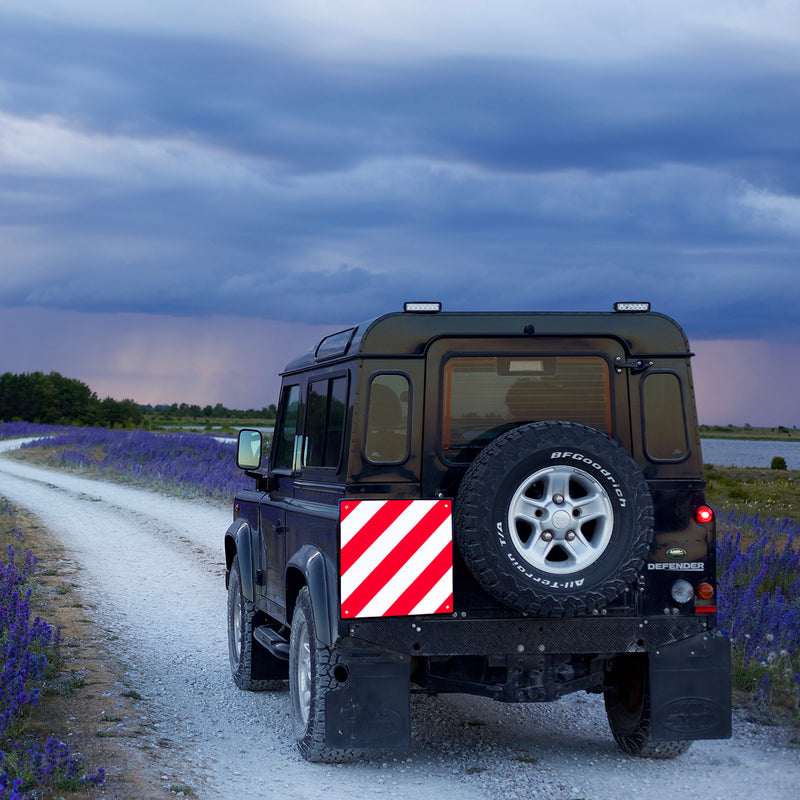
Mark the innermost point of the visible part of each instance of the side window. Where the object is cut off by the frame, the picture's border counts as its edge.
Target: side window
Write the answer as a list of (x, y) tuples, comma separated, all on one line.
[(324, 430), (387, 419), (665, 432), (286, 435)]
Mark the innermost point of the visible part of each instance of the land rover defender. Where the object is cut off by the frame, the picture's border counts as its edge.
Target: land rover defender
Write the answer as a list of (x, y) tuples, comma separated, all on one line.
[(499, 504)]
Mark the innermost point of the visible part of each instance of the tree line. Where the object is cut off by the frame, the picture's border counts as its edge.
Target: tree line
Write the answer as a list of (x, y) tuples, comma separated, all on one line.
[(55, 400), (184, 411)]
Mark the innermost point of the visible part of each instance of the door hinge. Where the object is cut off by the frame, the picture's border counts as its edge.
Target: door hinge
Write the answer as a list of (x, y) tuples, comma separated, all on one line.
[(640, 365)]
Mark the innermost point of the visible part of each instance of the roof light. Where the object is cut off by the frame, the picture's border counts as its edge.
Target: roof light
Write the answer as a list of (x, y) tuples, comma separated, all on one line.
[(629, 308), (422, 308), (704, 515)]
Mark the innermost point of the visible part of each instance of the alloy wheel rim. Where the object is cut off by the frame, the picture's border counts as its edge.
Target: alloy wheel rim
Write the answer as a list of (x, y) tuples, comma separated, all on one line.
[(560, 520)]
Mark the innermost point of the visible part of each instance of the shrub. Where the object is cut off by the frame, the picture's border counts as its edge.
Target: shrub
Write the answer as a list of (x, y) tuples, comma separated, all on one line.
[(779, 462)]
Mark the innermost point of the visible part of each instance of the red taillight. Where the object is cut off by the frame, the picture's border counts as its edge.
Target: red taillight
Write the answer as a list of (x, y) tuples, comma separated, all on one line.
[(704, 515)]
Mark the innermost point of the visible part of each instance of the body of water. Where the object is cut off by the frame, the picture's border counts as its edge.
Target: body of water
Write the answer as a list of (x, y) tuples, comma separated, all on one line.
[(749, 453)]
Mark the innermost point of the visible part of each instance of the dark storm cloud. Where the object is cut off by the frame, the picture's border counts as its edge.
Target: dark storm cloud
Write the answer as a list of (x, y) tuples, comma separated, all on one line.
[(706, 105), (238, 179)]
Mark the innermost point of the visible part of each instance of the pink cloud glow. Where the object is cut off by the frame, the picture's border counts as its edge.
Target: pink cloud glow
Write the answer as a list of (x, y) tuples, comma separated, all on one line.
[(234, 361)]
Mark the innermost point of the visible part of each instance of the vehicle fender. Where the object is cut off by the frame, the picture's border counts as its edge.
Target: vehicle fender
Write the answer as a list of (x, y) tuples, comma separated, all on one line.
[(318, 573), (239, 541)]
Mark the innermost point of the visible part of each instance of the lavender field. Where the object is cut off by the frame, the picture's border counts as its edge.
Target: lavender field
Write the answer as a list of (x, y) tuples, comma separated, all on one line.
[(29, 651), (187, 463), (758, 559)]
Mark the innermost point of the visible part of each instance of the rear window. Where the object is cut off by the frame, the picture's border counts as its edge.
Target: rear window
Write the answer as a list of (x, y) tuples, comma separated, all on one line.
[(483, 396), (666, 435), (387, 432)]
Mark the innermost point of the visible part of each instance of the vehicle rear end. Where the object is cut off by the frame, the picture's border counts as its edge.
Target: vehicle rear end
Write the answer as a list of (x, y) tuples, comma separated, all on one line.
[(582, 549)]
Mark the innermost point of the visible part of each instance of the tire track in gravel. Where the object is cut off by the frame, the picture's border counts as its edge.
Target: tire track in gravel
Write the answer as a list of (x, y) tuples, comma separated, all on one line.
[(154, 567)]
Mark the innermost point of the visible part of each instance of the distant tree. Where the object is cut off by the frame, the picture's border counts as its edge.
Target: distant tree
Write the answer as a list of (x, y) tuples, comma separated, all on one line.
[(121, 413), (49, 399)]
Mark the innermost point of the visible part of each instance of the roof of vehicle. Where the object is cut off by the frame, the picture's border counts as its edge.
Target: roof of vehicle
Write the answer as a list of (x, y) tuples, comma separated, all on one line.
[(410, 333)]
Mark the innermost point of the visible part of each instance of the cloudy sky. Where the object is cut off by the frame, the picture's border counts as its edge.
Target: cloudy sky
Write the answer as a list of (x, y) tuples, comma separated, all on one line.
[(192, 192)]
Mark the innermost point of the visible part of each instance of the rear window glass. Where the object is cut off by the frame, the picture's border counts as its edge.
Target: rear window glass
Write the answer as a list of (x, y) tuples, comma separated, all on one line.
[(665, 432), (483, 396), (387, 419)]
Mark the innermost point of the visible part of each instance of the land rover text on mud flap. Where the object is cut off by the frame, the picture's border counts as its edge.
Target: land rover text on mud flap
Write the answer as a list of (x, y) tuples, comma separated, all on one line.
[(500, 504)]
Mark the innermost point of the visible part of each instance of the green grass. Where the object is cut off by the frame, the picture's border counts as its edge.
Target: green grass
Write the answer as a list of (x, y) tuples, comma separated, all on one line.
[(766, 492), (781, 433)]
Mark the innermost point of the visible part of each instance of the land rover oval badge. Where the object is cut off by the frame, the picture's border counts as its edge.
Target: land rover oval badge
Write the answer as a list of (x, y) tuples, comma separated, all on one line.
[(676, 553)]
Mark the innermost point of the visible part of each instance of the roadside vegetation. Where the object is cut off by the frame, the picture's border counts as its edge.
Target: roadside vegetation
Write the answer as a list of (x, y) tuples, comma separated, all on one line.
[(31, 763), (757, 524), (780, 433), (182, 463)]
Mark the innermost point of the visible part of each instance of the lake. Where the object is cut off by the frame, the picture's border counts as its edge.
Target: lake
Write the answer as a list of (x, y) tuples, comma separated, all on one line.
[(749, 453)]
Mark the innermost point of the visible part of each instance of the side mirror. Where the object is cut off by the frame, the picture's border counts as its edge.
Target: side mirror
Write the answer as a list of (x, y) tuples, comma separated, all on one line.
[(248, 454)]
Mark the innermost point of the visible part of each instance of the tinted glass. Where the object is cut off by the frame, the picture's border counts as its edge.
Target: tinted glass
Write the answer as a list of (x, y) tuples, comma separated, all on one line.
[(286, 435), (325, 413), (665, 435), (336, 417), (485, 396), (387, 419)]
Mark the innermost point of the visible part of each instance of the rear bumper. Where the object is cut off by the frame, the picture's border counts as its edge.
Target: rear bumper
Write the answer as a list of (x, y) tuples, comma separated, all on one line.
[(446, 636)]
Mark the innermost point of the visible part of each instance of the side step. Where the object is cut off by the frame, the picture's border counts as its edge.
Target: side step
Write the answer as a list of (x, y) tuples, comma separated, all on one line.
[(271, 640)]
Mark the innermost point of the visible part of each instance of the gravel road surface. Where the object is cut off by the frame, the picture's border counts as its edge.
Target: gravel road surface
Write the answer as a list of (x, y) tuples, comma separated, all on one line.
[(153, 566)]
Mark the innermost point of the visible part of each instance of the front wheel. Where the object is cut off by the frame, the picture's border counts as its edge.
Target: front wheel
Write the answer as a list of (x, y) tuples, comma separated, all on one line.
[(628, 712)]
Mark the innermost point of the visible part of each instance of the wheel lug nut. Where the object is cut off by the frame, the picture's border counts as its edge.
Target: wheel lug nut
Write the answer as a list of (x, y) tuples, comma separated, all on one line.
[(570, 536), (558, 499), (547, 536)]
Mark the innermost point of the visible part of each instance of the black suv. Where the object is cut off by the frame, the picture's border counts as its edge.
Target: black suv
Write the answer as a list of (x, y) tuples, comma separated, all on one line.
[(499, 504)]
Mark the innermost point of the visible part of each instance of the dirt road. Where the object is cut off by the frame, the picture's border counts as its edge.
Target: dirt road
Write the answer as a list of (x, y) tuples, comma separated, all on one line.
[(153, 567)]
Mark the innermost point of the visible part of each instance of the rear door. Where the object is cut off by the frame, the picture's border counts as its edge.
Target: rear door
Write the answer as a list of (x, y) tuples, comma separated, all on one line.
[(479, 388)]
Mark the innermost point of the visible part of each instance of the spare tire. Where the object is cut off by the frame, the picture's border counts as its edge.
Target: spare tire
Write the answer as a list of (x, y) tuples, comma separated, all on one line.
[(554, 519)]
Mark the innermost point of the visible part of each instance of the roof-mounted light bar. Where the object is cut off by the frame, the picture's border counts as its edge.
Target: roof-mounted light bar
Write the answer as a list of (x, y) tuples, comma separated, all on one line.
[(422, 308), (631, 308)]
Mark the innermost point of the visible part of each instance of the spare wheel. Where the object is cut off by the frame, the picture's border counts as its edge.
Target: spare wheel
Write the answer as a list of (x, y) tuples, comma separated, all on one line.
[(554, 519)]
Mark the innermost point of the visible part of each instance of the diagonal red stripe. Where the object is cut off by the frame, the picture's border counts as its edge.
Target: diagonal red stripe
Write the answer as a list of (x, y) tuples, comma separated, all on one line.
[(445, 607), (430, 576), (383, 572), (371, 531), (345, 507)]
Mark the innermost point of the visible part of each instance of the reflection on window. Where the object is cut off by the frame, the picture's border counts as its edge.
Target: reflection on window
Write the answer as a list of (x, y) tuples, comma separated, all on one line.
[(486, 396), (665, 436), (387, 419), (286, 435), (325, 414)]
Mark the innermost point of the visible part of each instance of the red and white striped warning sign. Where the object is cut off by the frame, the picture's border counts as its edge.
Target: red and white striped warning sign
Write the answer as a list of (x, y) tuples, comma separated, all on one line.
[(396, 557)]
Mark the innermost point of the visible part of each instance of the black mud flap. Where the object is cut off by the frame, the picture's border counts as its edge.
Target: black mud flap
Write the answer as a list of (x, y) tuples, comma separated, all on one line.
[(372, 709), (690, 689)]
